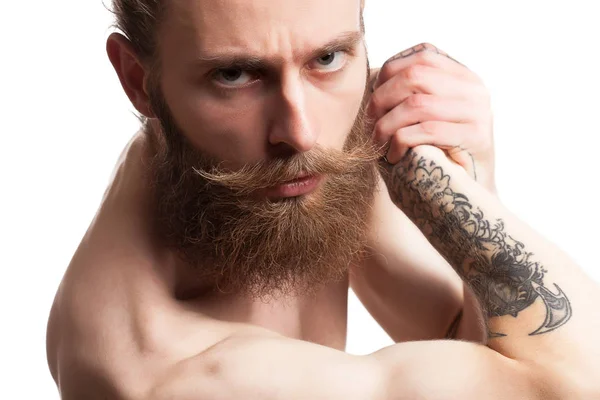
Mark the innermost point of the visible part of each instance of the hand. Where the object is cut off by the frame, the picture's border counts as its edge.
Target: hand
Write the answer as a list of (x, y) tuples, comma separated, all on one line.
[(423, 96)]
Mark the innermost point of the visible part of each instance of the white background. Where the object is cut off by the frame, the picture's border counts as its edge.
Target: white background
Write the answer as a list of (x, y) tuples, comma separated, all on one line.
[(64, 120)]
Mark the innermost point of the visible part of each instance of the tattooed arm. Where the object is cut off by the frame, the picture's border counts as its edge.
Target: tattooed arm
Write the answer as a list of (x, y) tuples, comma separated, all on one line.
[(539, 305), (407, 286), (404, 283), (423, 96)]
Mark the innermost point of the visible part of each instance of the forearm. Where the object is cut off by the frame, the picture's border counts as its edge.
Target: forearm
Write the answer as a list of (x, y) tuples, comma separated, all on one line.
[(524, 284), (406, 285)]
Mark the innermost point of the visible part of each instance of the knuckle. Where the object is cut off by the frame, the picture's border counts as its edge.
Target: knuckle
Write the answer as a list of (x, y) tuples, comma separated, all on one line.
[(376, 100), (379, 133), (398, 86), (428, 47), (386, 72), (398, 139), (430, 127), (431, 48), (417, 100), (427, 56), (413, 74)]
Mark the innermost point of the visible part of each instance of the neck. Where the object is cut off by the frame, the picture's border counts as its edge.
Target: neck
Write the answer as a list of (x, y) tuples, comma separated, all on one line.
[(320, 317)]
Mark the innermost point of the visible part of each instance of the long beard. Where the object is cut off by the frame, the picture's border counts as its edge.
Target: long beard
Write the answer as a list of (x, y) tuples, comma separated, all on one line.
[(240, 243)]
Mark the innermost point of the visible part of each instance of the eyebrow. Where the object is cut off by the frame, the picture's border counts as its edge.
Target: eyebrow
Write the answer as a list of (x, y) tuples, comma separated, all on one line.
[(236, 60)]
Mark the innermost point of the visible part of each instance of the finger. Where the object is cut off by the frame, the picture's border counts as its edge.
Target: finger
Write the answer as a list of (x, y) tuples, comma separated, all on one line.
[(419, 78), (373, 74), (424, 54), (420, 108), (445, 135)]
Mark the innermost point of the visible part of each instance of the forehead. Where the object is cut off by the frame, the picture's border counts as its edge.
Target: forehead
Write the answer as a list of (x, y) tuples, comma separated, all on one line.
[(267, 28)]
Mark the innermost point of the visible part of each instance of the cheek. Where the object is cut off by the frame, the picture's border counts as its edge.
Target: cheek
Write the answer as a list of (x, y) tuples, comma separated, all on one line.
[(337, 110), (229, 130)]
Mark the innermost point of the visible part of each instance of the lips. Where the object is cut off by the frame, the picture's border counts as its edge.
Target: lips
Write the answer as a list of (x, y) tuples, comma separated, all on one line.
[(302, 185)]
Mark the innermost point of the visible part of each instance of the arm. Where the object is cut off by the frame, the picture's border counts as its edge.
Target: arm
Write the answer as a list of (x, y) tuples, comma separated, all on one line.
[(407, 286), (547, 351), (267, 366), (527, 288)]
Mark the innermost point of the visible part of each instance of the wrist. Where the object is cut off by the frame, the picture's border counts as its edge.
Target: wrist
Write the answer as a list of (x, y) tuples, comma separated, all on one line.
[(421, 184)]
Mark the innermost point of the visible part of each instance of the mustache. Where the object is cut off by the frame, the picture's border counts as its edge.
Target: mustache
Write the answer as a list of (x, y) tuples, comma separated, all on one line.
[(268, 173)]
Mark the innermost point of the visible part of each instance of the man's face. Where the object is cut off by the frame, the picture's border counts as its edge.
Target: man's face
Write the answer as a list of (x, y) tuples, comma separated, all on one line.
[(253, 95), (251, 80)]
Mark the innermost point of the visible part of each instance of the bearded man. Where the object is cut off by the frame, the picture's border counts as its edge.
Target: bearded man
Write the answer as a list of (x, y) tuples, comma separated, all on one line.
[(274, 170)]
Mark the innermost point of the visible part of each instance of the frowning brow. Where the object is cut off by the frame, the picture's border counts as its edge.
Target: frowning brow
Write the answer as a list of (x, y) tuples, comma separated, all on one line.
[(347, 41)]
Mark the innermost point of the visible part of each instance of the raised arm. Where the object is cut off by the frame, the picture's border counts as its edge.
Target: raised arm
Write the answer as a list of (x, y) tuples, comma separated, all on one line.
[(539, 304), (407, 286)]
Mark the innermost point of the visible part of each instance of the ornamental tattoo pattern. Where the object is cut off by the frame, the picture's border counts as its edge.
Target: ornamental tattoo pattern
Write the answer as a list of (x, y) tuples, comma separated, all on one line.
[(505, 278)]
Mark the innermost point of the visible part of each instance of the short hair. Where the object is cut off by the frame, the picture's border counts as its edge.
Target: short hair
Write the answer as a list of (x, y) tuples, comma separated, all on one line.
[(140, 20)]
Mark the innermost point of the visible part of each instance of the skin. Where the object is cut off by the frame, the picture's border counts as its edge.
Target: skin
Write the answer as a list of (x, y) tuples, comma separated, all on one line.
[(117, 331), (297, 104), (423, 96)]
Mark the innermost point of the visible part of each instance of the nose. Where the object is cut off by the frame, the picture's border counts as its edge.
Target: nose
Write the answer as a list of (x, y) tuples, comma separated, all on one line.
[(292, 127)]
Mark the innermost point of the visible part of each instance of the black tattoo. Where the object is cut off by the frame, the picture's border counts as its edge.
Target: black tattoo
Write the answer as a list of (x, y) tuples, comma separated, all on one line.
[(504, 276), (558, 309), (414, 50), (460, 148), (420, 48), (474, 166), (443, 147)]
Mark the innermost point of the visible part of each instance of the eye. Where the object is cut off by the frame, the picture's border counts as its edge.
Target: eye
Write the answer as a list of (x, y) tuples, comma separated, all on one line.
[(233, 77), (331, 61)]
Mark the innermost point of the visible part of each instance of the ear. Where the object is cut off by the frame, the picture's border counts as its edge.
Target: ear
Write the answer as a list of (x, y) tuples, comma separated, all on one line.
[(130, 70)]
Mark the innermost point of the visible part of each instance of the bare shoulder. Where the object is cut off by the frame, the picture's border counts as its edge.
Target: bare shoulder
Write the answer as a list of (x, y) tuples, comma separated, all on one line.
[(111, 337), (115, 324)]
